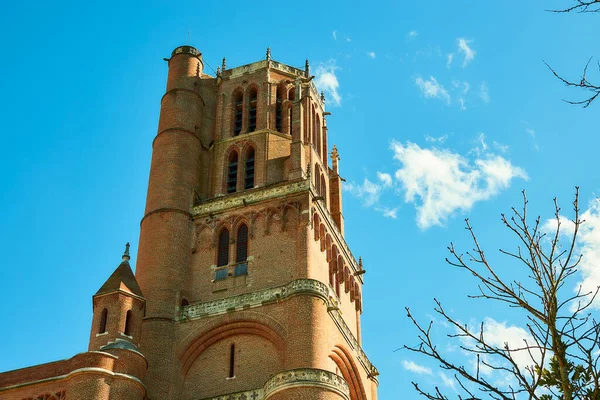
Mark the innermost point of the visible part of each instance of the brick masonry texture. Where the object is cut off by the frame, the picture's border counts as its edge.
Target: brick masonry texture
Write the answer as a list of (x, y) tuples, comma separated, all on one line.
[(244, 153)]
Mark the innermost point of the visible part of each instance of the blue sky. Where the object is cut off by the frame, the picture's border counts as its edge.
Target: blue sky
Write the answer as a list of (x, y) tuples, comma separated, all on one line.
[(440, 111)]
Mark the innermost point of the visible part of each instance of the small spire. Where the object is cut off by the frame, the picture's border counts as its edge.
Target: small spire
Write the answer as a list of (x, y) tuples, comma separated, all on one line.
[(126, 254), (268, 53), (307, 68), (322, 96), (334, 153), (219, 70), (360, 266), (224, 64)]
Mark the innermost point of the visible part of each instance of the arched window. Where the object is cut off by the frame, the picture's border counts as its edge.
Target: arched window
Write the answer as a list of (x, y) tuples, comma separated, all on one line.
[(324, 142), (238, 107), (279, 107), (223, 251), (323, 188), (249, 171), (232, 168), (128, 322), (103, 317), (241, 253), (252, 110)]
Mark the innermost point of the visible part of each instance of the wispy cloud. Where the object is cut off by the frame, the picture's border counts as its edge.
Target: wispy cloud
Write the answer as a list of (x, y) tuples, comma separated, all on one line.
[(449, 59), (388, 212), (385, 179), (371, 54), (326, 80), (416, 368), (432, 89), (440, 182), (466, 50), (412, 34), (531, 133), (334, 34), (447, 381), (369, 192), (484, 92), (439, 139), (588, 245)]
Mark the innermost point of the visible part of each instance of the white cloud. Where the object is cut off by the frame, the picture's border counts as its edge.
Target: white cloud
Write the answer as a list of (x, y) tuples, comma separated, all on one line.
[(484, 92), (334, 33), (371, 54), (348, 39), (588, 245), (439, 182), (432, 89), (369, 192), (530, 132), (412, 34), (448, 381), (416, 368), (499, 146), (388, 212), (499, 334), (386, 179), (326, 80), (449, 59), (468, 52), (440, 139)]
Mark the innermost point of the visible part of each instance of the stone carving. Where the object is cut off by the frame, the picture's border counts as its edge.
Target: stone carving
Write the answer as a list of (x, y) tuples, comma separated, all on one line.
[(307, 377), (220, 204), (255, 394), (255, 299), (49, 396)]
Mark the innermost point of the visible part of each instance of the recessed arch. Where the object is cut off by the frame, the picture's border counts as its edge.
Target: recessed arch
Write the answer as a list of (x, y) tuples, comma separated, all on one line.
[(222, 332), (252, 107), (348, 368), (223, 247), (232, 171)]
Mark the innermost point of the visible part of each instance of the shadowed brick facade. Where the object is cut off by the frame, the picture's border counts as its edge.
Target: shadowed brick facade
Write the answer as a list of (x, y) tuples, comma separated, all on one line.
[(245, 288)]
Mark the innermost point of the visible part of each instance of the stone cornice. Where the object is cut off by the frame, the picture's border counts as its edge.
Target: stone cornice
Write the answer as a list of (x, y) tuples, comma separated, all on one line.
[(301, 377), (307, 377), (241, 199), (307, 287)]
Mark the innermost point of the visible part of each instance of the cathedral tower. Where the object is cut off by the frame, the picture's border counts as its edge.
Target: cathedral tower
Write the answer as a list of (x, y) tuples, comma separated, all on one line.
[(251, 289)]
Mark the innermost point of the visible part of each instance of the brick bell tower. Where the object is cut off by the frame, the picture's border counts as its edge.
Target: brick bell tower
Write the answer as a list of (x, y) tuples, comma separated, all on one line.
[(251, 290)]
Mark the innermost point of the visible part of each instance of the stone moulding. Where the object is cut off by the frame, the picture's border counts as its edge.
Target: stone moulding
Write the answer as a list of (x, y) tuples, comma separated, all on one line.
[(307, 377), (302, 377), (220, 204), (254, 394), (256, 299), (259, 298)]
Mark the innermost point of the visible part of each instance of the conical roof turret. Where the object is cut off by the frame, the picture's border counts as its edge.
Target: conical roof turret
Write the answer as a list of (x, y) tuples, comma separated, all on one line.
[(122, 279)]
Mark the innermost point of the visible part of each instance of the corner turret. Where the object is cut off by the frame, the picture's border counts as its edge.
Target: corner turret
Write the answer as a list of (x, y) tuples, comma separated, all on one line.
[(119, 307)]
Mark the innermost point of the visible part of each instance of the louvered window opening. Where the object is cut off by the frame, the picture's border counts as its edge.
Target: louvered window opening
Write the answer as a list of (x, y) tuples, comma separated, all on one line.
[(232, 173), (223, 255), (252, 111), (242, 244), (249, 180), (238, 112)]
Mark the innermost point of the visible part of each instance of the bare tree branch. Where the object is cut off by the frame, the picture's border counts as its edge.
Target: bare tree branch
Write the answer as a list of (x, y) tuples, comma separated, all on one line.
[(559, 357)]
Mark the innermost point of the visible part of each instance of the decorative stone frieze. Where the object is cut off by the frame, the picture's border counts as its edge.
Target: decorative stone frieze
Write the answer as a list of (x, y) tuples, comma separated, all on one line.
[(221, 204), (256, 299), (307, 377), (254, 394)]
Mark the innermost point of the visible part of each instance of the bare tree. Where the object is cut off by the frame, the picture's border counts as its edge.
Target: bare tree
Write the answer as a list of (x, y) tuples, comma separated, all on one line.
[(558, 357), (583, 7)]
